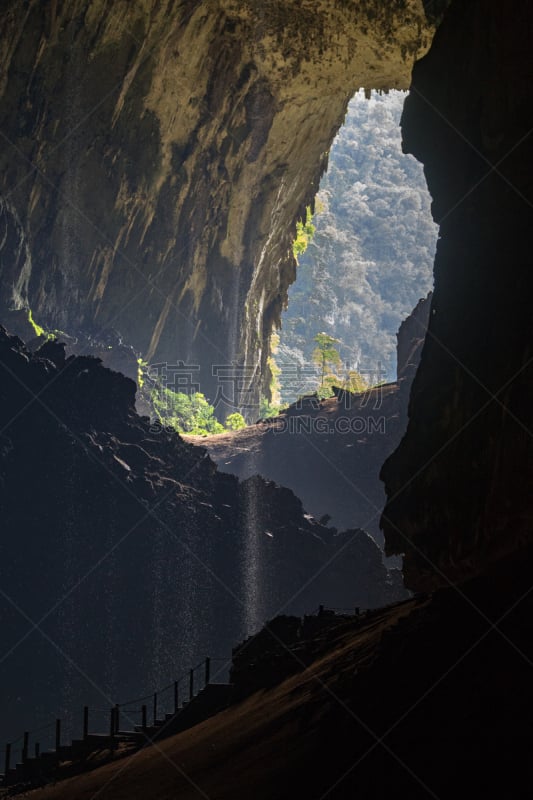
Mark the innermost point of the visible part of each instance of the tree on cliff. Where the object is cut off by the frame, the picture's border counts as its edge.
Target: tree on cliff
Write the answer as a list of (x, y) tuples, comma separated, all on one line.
[(325, 355)]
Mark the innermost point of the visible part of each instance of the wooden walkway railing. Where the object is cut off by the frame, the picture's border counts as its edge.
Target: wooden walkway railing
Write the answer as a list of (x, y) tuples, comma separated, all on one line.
[(142, 714), (129, 721)]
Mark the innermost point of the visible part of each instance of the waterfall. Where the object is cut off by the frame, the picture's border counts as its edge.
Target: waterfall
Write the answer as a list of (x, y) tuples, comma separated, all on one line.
[(253, 560)]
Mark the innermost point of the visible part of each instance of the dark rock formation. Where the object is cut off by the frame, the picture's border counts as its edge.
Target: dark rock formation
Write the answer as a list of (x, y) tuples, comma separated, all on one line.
[(156, 157), (287, 645), (330, 453), (125, 557), (410, 338), (459, 485), (279, 566)]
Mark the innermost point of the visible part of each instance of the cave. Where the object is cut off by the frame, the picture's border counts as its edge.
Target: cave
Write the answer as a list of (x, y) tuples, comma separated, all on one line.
[(156, 160)]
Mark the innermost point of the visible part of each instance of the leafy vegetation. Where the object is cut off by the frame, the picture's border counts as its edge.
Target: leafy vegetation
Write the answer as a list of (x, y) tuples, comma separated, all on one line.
[(304, 234), (354, 382), (142, 366), (370, 258), (39, 330), (327, 359), (267, 409), (325, 356), (235, 422), (191, 414), (271, 408)]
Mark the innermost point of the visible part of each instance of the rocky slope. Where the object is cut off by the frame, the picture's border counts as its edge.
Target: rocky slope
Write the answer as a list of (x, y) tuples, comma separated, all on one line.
[(330, 453), (125, 557), (156, 157), (466, 462)]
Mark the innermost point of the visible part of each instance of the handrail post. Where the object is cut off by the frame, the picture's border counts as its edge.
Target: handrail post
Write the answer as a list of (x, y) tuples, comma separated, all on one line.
[(58, 734), (207, 671), (191, 684), (85, 722), (144, 721), (25, 747), (7, 765), (176, 697), (155, 707), (117, 718)]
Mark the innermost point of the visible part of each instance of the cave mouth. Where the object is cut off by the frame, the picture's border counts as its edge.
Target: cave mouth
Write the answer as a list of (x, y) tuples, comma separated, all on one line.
[(365, 269), (368, 261), (365, 258)]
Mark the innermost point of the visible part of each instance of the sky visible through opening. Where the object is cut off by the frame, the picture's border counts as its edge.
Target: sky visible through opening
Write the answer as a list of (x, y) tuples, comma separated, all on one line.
[(371, 258)]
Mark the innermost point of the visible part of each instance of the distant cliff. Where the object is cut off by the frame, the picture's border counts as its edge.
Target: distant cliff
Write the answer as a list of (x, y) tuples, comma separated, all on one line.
[(371, 256)]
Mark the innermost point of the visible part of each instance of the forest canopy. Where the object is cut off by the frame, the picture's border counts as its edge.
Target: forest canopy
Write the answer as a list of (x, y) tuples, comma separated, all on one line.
[(370, 258)]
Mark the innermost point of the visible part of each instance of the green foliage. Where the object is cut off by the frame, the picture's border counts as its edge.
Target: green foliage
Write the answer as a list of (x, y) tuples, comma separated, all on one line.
[(39, 331), (267, 409), (304, 234), (354, 382), (326, 356), (235, 422), (326, 390), (191, 414), (141, 369), (275, 371)]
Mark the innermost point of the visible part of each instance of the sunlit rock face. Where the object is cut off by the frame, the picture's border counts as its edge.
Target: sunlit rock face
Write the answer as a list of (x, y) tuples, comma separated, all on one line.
[(459, 485), (156, 157)]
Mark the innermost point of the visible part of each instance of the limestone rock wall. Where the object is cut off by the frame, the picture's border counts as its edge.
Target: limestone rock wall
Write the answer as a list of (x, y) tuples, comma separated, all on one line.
[(459, 485), (156, 156)]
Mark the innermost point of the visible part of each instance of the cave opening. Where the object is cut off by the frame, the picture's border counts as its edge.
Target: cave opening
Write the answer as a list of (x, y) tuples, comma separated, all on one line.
[(366, 260), (364, 275)]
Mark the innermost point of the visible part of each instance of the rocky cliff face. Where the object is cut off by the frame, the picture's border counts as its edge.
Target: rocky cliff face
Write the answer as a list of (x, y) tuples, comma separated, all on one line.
[(156, 157), (458, 486), (125, 557)]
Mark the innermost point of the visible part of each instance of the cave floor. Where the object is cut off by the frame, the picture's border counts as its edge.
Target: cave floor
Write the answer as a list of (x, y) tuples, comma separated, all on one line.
[(429, 698)]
